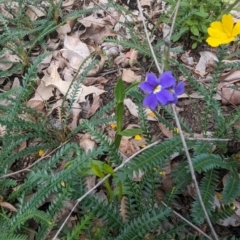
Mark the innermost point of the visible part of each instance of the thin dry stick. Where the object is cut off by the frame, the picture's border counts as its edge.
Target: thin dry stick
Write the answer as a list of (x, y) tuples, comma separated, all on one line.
[(189, 223), (160, 70), (98, 184), (30, 166), (209, 139), (178, 123), (193, 173), (105, 178)]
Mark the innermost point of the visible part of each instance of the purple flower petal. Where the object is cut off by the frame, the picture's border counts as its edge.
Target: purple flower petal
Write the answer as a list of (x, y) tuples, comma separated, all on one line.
[(175, 99), (179, 89), (150, 101), (167, 80), (146, 87), (152, 79), (164, 96)]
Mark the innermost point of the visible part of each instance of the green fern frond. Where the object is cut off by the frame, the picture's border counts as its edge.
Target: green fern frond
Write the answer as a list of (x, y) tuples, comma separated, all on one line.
[(169, 114), (140, 226), (207, 188), (75, 86), (232, 187), (52, 211), (204, 162), (103, 110), (202, 147), (176, 232), (5, 236), (38, 216), (103, 141), (80, 227), (155, 156), (222, 213), (106, 212)]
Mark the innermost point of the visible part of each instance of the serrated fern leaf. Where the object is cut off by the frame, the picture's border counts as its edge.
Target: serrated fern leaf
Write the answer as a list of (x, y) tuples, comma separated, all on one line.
[(140, 226), (222, 213), (103, 141), (81, 226), (207, 188), (155, 156), (205, 162), (232, 187)]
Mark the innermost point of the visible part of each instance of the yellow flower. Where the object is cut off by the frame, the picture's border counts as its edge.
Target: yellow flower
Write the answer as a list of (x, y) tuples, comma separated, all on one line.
[(138, 138), (113, 125), (223, 32), (40, 153)]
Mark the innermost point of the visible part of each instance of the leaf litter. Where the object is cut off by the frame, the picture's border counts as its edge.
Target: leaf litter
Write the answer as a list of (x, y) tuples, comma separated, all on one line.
[(73, 47)]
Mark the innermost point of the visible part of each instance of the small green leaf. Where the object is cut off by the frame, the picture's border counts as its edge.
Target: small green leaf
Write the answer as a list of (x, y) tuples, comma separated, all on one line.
[(119, 116), (194, 45), (194, 30), (107, 169), (130, 132), (119, 91), (96, 170)]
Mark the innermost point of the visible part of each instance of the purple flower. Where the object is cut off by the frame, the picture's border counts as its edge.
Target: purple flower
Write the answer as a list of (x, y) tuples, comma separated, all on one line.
[(161, 90)]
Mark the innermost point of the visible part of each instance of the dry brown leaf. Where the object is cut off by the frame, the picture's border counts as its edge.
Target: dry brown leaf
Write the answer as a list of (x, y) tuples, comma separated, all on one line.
[(75, 51), (4, 12), (123, 209), (187, 60), (8, 57), (111, 49), (8, 206), (133, 109), (94, 106), (75, 111), (86, 142), (165, 130), (64, 29), (34, 12), (68, 3), (230, 95), (121, 60), (132, 55), (146, 3), (207, 58), (93, 80), (231, 77), (36, 104), (97, 33), (129, 76), (2, 130), (127, 147), (42, 93), (88, 21)]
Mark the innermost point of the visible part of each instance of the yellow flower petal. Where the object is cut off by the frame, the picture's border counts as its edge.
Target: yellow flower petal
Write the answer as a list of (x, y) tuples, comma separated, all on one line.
[(113, 125), (40, 153), (223, 32), (138, 138), (227, 22), (213, 42), (215, 32), (236, 29), (152, 114)]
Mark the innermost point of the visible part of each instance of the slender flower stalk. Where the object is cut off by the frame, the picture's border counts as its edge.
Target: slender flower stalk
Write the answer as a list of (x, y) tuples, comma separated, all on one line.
[(180, 130)]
